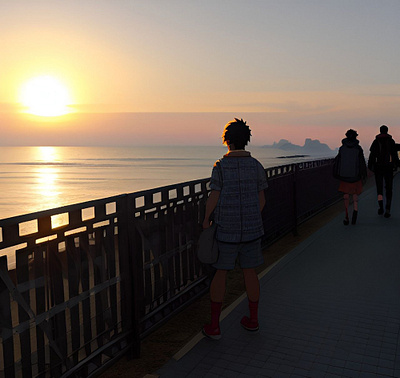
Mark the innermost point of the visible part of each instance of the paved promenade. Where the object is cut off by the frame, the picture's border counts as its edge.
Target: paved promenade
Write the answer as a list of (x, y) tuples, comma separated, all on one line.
[(330, 308)]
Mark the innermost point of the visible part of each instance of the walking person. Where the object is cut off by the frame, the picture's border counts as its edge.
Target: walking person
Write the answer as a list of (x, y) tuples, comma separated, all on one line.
[(383, 160), (236, 200), (351, 170)]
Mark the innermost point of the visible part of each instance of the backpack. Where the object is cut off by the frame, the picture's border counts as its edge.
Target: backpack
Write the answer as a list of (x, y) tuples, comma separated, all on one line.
[(383, 151), (349, 164)]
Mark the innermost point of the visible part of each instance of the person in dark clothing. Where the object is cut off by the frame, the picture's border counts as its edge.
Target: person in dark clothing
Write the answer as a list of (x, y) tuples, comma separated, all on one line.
[(351, 170), (383, 160)]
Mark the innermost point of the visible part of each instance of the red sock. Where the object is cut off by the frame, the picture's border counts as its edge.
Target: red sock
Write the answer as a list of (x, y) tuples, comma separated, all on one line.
[(215, 313), (253, 307)]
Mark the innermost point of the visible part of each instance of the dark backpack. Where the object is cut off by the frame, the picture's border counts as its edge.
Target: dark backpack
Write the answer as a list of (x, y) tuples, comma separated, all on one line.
[(383, 151)]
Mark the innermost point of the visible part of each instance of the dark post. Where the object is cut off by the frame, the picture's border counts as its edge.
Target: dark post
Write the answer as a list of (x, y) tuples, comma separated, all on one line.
[(294, 176), (129, 275)]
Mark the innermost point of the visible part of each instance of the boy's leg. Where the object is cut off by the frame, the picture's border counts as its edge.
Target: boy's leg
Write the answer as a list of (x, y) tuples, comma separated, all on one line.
[(217, 287), (389, 190), (252, 284), (253, 294), (217, 292), (379, 190)]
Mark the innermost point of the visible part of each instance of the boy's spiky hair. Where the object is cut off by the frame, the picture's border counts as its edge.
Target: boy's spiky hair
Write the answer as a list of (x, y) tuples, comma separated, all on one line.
[(237, 133)]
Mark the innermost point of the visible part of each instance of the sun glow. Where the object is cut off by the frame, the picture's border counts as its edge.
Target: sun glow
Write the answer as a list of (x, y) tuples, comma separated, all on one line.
[(45, 96)]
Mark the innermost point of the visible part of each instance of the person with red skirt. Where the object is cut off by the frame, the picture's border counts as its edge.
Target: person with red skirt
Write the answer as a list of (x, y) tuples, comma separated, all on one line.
[(350, 168)]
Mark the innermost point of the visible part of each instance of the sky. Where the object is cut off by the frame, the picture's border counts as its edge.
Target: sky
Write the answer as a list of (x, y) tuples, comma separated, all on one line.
[(176, 71)]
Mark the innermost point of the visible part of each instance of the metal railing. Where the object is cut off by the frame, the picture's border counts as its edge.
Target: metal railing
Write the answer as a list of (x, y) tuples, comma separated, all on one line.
[(82, 284)]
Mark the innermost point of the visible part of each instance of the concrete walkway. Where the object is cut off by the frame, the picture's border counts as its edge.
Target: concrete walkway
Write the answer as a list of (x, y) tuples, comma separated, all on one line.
[(330, 308)]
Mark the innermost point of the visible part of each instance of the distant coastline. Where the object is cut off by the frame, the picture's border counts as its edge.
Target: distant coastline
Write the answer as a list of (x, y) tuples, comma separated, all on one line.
[(310, 147), (292, 156)]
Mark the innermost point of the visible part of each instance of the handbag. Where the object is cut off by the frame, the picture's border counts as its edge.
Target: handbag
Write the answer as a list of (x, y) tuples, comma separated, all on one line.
[(207, 245)]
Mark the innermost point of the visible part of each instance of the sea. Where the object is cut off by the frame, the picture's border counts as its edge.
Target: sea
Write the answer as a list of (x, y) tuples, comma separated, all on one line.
[(40, 178)]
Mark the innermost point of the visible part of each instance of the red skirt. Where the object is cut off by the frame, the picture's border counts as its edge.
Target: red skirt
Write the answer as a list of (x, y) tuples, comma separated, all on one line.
[(350, 187)]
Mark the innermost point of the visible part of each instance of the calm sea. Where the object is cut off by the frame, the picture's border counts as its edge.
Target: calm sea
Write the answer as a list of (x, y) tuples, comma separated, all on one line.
[(39, 178)]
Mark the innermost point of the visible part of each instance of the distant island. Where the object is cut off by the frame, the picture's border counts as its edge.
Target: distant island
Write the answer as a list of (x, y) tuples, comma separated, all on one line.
[(311, 146)]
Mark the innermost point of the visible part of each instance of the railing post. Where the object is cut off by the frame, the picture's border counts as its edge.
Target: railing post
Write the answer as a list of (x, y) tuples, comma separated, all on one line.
[(136, 253), (129, 278), (294, 176)]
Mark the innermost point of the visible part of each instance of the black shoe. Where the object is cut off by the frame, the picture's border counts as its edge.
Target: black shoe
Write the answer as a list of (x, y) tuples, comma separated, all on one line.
[(354, 217), (346, 221), (387, 214)]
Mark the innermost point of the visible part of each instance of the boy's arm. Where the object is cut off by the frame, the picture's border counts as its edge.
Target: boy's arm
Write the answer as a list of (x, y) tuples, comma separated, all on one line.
[(211, 204), (395, 154), (261, 199)]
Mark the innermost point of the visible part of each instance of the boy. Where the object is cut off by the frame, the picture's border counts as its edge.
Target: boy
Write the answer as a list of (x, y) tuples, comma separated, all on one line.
[(237, 198)]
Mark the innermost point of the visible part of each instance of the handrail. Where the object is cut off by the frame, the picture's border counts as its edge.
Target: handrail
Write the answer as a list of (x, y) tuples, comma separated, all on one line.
[(115, 268)]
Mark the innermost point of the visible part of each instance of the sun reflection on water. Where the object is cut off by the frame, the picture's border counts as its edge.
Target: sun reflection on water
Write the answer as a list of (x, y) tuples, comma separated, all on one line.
[(47, 181), (47, 190), (46, 153)]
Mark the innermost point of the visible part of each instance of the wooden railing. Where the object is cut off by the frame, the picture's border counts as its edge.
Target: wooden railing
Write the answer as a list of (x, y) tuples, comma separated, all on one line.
[(82, 284)]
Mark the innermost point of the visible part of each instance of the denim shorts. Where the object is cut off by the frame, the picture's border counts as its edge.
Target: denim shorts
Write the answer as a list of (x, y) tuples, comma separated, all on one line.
[(250, 255)]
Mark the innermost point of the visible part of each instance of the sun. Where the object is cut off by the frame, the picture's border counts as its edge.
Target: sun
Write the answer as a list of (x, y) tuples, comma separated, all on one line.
[(45, 96)]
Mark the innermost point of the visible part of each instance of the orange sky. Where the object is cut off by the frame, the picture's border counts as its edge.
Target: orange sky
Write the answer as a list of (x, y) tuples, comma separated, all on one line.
[(175, 72)]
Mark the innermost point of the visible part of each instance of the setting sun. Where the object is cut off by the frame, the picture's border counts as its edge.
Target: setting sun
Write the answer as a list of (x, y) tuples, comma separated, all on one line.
[(45, 96)]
